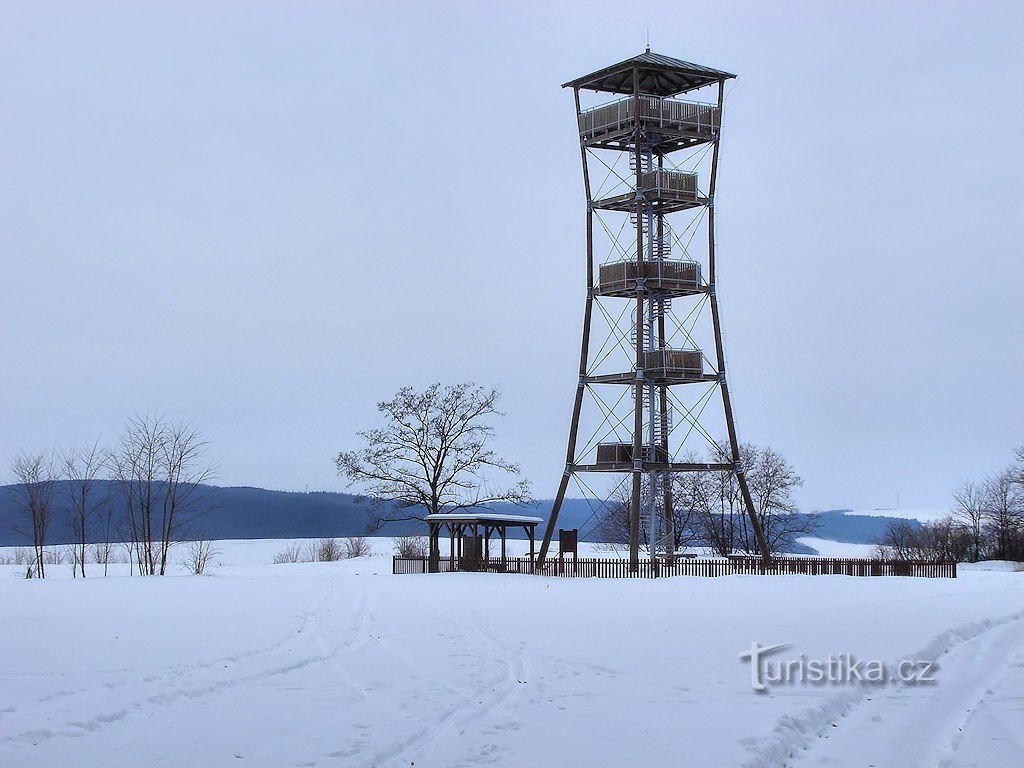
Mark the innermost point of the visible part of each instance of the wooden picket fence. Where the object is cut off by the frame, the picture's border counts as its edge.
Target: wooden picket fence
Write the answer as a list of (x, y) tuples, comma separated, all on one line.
[(599, 567)]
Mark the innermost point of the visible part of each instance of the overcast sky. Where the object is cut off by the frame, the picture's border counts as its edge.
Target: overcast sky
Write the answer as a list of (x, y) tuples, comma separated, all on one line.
[(265, 217)]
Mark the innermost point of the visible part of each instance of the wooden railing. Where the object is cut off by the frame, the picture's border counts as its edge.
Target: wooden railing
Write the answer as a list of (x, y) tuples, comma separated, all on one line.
[(599, 567), (654, 111), (661, 274), (664, 183)]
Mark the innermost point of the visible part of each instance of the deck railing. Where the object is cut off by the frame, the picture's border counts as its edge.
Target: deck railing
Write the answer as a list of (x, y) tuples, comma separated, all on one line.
[(674, 362), (599, 567), (622, 275), (665, 183), (689, 116)]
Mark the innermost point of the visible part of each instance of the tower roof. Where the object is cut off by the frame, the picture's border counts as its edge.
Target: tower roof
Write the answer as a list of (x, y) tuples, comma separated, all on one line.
[(659, 76)]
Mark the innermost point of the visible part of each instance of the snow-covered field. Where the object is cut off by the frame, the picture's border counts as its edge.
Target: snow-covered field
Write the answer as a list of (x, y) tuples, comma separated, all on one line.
[(827, 548), (343, 664)]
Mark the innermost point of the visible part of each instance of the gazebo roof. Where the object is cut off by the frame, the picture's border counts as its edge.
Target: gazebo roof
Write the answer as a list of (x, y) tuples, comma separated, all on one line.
[(490, 518), (659, 76)]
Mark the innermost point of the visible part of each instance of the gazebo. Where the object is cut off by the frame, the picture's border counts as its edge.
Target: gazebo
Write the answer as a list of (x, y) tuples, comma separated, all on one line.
[(471, 551)]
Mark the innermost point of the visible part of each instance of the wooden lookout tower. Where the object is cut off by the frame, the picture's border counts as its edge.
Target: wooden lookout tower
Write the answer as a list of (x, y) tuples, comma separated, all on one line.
[(652, 359)]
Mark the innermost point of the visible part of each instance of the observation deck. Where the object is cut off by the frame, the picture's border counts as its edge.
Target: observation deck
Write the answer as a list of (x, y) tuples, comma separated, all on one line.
[(667, 124), (665, 367), (669, 278), (668, 191), (618, 457)]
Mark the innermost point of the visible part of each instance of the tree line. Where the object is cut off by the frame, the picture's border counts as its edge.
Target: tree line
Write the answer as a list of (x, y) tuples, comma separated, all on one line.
[(986, 522), (157, 468)]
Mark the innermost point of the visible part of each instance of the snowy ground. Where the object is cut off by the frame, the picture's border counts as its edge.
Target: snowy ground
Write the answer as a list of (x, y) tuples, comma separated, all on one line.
[(343, 664), (827, 548)]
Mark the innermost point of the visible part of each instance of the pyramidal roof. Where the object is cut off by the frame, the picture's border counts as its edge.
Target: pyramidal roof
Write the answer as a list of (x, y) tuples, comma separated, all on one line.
[(659, 76)]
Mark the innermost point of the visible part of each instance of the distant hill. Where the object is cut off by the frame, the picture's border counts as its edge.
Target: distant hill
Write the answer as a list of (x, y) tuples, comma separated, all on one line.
[(256, 513)]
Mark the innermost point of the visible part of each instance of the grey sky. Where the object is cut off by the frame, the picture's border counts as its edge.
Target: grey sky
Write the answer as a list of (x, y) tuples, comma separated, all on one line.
[(267, 216)]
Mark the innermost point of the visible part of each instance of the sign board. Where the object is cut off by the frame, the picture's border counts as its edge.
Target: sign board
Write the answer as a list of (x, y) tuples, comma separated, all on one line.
[(567, 541)]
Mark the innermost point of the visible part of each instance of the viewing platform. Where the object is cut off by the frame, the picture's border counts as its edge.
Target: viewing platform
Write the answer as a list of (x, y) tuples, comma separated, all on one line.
[(668, 124), (618, 457), (669, 278), (663, 366), (669, 191)]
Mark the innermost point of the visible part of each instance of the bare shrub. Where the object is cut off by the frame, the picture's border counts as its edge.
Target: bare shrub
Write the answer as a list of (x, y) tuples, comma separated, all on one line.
[(199, 556), (20, 556), (327, 551), (290, 554), (357, 546), (411, 546), (103, 553), (53, 556)]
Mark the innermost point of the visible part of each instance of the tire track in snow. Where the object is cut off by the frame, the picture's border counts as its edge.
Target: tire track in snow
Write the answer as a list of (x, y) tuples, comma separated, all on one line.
[(794, 735)]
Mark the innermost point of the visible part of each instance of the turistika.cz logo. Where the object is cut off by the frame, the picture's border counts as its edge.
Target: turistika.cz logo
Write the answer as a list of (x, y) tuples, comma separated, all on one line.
[(836, 669)]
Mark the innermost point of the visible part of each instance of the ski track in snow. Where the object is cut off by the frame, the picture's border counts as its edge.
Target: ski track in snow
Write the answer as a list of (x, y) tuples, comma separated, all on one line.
[(179, 680), (971, 658), (474, 706)]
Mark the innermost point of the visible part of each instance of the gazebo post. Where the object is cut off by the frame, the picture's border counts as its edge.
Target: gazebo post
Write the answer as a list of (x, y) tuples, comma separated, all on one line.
[(476, 546), (487, 543), (530, 532), (434, 560), (504, 565), (452, 551)]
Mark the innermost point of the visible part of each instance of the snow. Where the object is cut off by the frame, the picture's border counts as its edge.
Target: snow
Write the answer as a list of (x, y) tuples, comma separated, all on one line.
[(921, 514), (344, 664), (829, 548)]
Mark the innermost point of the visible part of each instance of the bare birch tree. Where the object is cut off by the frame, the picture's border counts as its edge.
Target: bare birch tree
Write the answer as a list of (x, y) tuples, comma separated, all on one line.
[(82, 468), (33, 494), (433, 454), (159, 469)]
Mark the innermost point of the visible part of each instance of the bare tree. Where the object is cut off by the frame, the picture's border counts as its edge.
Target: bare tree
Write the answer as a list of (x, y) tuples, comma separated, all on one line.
[(719, 510), (160, 470), (969, 513), (432, 454), (81, 468), (613, 524), (33, 492), (772, 481), (1004, 514), (943, 539), (900, 541), (716, 499)]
